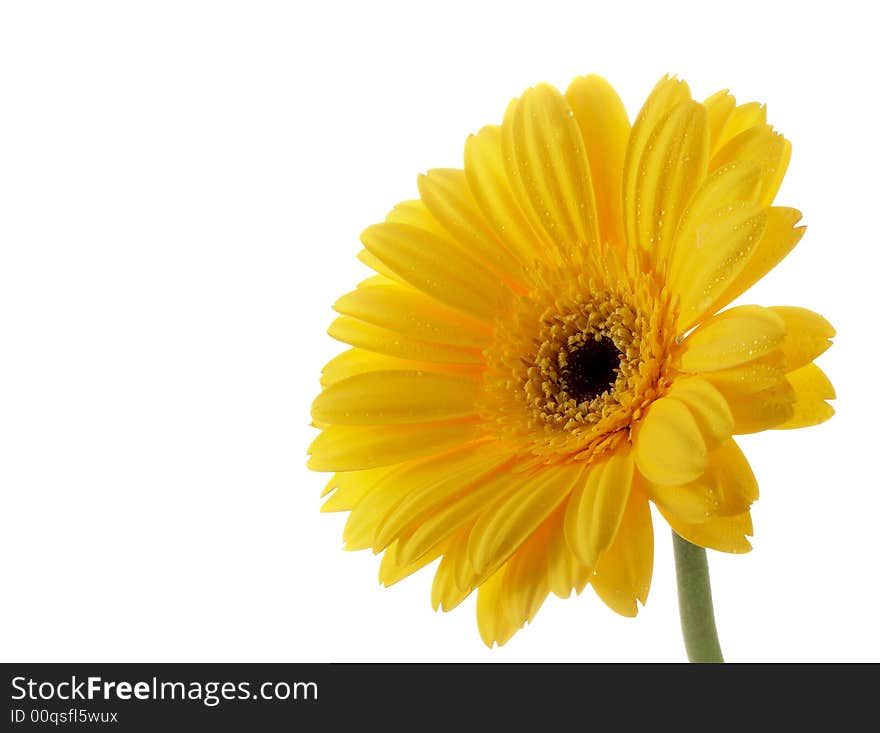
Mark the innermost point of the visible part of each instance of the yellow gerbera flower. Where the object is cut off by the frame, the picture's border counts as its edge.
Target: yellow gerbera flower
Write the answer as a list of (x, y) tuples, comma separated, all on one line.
[(541, 353)]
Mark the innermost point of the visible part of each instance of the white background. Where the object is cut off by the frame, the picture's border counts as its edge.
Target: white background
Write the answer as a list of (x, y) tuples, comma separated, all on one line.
[(182, 186)]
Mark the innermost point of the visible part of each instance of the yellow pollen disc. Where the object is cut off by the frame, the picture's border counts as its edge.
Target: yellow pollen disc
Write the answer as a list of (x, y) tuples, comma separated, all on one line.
[(574, 365)]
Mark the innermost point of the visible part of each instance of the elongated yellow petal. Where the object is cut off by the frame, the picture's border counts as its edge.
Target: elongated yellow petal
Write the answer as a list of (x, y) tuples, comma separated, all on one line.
[(446, 594), (453, 475), (564, 571), (362, 522), (720, 252), (349, 487), (366, 519), (446, 194), (748, 378), (671, 168), (669, 447), (691, 502), (778, 239), (708, 407), (736, 481), (501, 529), (719, 107), (525, 587), (727, 186), (414, 213), (547, 165), (437, 268), (668, 93), (731, 338), (392, 571), (380, 280), (605, 129), (807, 335), (412, 314), (725, 534), (364, 335), (623, 575), (765, 147), (358, 447), (764, 409), (395, 397), (727, 487), (358, 361), (374, 263), (487, 179), (597, 506), (811, 389), (492, 621), (458, 511), (741, 118)]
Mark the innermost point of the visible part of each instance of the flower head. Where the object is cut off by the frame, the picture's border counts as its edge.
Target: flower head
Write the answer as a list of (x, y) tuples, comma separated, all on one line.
[(545, 349)]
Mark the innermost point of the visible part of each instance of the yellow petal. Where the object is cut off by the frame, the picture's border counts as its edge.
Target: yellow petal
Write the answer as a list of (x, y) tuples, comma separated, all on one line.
[(667, 93), (547, 165), (524, 587), (374, 263), (764, 409), (392, 571), (436, 267), (446, 594), (764, 146), (605, 128), (446, 194), (734, 337), (460, 510), (597, 505), (749, 378), (719, 107), (671, 168), (357, 361), (366, 519), (690, 502), (412, 314), (454, 475), (487, 179), (623, 575), (349, 487), (491, 619), (372, 338), (725, 534), (736, 482), (778, 239), (394, 397), (721, 249), (807, 335), (415, 214), (669, 447), (708, 407), (726, 488), (741, 118), (564, 571), (382, 281), (358, 447), (502, 528), (811, 389), (363, 521), (727, 186)]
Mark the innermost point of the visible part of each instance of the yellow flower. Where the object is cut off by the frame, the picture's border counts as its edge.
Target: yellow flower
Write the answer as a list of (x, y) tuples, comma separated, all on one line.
[(541, 353)]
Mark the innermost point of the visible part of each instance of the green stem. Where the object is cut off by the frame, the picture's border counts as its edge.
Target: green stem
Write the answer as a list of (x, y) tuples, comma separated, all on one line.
[(695, 602)]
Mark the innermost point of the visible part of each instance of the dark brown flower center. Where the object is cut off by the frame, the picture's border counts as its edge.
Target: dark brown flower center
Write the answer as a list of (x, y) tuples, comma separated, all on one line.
[(591, 369)]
